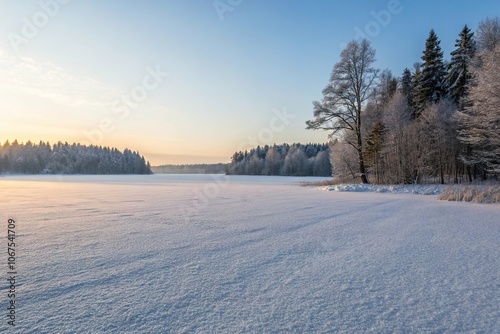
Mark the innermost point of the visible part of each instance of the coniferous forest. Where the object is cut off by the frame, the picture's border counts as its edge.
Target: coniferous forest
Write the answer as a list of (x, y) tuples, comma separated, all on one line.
[(439, 122), (63, 158)]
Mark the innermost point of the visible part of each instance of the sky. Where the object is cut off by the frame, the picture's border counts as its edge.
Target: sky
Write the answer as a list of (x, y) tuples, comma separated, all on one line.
[(193, 81)]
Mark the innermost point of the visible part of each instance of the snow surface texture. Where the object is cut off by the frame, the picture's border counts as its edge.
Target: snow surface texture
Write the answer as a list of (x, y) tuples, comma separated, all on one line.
[(147, 254), (419, 189)]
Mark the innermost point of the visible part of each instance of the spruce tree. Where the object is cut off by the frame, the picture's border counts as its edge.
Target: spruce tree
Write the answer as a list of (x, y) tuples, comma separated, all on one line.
[(432, 79), (460, 66), (373, 148), (406, 84), (407, 88), (415, 92)]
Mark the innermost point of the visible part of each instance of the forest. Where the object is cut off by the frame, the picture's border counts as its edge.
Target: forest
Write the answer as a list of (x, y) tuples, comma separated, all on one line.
[(285, 160), (439, 122), (62, 158), (219, 168)]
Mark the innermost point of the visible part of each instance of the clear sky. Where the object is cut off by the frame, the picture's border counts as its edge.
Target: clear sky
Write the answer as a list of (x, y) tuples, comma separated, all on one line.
[(189, 81)]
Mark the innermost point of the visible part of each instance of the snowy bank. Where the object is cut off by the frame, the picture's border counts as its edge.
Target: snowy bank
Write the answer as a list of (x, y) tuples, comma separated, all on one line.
[(485, 194), (419, 189)]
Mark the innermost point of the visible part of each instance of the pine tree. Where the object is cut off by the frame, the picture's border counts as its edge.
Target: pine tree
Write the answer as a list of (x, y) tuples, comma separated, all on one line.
[(415, 92), (406, 84), (461, 65), (407, 87), (373, 148), (432, 80)]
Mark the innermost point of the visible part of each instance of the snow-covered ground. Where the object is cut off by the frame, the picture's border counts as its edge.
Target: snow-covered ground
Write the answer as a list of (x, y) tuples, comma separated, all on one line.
[(210, 254), (418, 189)]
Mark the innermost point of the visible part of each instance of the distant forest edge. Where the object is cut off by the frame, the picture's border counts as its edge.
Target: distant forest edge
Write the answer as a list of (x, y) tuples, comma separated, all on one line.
[(283, 160), (63, 158), (219, 168)]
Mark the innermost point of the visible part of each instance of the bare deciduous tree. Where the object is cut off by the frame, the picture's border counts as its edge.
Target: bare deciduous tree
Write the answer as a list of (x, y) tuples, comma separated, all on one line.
[(351, 86)]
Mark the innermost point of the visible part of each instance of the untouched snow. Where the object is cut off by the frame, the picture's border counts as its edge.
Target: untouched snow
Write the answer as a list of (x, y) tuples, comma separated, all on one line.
[(207, 254)]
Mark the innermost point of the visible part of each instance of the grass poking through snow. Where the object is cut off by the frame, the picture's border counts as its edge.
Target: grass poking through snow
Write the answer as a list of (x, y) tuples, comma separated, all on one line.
[(477, 194), (482, 193)]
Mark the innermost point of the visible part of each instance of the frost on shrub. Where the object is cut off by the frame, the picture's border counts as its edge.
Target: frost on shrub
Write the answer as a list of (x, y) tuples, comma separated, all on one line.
[(344, 161)]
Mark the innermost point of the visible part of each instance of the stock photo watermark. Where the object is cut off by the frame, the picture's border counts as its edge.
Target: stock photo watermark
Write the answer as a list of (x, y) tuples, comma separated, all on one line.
[(122, 106), (11, 272), (224, 6), (277, 124), (203, 196), (32, 25), (381, 19)]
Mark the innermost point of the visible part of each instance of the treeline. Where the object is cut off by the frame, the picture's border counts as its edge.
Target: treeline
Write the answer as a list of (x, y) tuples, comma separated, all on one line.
[(63, 158), (438, 122), (285, 160), (219, 168)]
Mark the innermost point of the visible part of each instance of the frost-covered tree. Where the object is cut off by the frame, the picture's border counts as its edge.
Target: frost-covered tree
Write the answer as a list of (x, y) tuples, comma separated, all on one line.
[(273, 161), (321, 164), (386, 87), (479, 123), (64, 158), (459, 74), (439, 128), (344, 161), (255, 165), (296, 163), (285, 159), (488, 34), (398, 147), (351, 86), (432, 79)]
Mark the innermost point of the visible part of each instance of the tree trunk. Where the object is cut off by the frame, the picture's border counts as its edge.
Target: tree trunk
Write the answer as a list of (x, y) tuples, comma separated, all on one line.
[(469, 173), (362, 169), (364, 179)]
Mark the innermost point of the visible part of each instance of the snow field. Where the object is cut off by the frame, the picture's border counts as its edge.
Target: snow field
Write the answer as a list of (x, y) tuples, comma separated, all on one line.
[(106, 254)]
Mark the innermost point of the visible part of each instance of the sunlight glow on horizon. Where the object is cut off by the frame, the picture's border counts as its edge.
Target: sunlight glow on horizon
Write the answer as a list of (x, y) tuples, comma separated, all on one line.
[(181, 84)]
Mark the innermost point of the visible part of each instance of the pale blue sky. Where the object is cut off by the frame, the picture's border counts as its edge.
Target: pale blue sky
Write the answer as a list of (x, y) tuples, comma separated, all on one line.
[(231, 67)]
